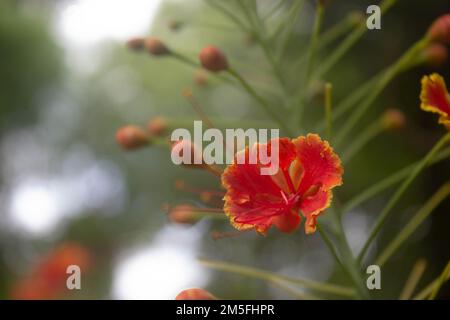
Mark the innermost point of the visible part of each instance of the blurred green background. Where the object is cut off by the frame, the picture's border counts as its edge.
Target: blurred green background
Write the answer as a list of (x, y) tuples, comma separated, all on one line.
[(68, 83)]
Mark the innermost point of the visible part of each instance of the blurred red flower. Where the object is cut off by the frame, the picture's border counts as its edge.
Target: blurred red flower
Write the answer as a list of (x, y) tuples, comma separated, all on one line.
[(47, 279)]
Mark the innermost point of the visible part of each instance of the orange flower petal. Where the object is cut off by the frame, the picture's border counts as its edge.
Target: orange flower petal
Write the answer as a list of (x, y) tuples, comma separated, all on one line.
[(312, 207), (320, 164), (434, 96)]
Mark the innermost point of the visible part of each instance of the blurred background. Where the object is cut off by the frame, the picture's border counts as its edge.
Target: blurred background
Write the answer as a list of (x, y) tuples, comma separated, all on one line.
[(68, 82)]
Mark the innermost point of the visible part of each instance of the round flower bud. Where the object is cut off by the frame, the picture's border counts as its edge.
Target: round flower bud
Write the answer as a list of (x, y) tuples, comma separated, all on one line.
[(131, 137), (136, 44), (213, 59), (182, 213), (435, 55), (156, 47), (195, 294), (440, 29), (193, 158), (157, 126), (393, 119)]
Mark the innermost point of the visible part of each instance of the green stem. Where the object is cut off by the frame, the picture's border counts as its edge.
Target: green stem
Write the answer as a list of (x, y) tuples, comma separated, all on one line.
[(300, 101), (314, 37), (413, 279), (295, 293), (440, 282), (435, 283), (396, 197), (229, 15), (288, 29), (352, 266), (389, 181), (329, 109), (360, 141), (356, 96), (414, 223), (259, 32), (328, 36), (350, 41), (405, 61), (260, 100), (270, 277), (330, 245)]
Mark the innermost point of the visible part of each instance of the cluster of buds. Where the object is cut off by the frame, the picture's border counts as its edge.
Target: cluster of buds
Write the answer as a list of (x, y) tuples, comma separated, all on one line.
[(152, 45), (438, 34), (47, 279), (132, 137)]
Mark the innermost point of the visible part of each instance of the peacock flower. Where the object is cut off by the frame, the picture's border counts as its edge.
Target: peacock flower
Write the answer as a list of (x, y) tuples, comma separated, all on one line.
[(308, 171), (435, 98)]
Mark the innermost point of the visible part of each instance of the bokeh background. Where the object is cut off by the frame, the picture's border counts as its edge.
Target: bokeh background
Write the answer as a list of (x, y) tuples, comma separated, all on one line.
[(67, 83)]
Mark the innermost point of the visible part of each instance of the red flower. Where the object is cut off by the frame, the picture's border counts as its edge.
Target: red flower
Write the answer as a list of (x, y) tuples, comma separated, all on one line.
[(47, 279), (434, 97), (308, 170)]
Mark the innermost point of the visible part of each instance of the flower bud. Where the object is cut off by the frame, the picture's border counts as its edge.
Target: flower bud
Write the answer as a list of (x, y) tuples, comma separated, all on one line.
[(200, 78), (213, 59), (131, 137), (157, 126), (195, 294), (206, 196), (136, 44), (440, 29), (182, 213), (191, 155), (156, 47), (393, 119), (435, 55)]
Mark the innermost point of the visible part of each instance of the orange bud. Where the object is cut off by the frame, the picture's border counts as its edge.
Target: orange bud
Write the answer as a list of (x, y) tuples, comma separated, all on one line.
[(157, 126), (393, 119), (156, 47), (200, 78), (182, 213), (206, 196), (131, 137), (213, 59), (136, 44), (440, 29), (195, 155), (195, 294), (435, 55)]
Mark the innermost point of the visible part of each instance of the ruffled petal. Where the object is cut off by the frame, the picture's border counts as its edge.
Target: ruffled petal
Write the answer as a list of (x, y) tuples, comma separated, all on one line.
[(434, 96), (320, 165), (311, 207)]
